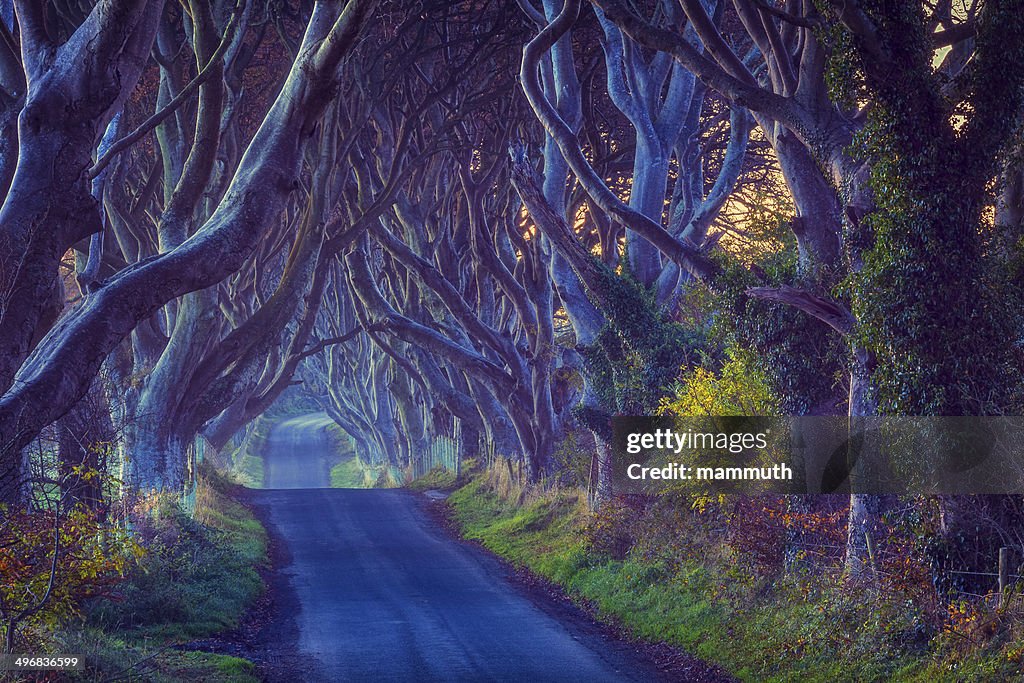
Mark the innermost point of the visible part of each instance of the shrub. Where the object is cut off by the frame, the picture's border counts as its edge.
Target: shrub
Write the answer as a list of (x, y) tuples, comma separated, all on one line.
[(195, 578), (51, 563)]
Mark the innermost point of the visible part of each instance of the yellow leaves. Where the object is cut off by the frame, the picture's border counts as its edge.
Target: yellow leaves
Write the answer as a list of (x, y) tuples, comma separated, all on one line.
[(703, 501), (92, 556), (737, 389)]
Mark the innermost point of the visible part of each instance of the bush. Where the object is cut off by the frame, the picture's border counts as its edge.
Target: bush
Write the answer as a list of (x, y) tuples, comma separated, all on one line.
[(609, 532), (38, 591), (572, 459), (736, 388), (197, 575)]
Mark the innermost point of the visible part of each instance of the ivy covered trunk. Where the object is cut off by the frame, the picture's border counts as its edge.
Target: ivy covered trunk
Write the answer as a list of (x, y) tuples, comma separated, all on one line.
[(932, 283), (926, 295)]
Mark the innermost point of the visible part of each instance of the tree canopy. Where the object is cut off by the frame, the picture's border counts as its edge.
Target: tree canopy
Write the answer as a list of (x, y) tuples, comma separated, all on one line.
[(502, 223)]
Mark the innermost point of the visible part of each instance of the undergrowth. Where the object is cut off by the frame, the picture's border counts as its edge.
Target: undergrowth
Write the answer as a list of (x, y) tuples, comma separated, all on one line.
[(653, 567), (197, 577)]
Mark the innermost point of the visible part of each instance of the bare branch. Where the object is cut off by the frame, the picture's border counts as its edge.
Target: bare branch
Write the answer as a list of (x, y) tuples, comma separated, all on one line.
[(833, 314), (954, 34), (348, 336), (788, 17), (744, 93), (687, 256), (172, 106)]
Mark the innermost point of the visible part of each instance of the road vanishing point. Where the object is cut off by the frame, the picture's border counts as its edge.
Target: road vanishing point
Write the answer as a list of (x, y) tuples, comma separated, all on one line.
[(380, 591)]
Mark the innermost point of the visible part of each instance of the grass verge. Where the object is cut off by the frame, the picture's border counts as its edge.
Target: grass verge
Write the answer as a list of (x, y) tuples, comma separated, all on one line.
[(439, 479), (249, 470), (247, 461), (348, 474), (707, 601), (197, 577)]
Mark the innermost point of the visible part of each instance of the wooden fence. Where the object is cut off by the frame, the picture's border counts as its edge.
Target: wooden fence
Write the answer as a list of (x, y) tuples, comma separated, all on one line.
[(443, 452)]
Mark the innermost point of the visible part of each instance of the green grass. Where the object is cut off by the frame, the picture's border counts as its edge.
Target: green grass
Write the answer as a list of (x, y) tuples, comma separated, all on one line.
[(247, 460), (340, 440), (353, 473), (205, 666), (438, 479), (542, 535), (348, 474), (196, 579), (110, 657), (242, 532), (249, 470), (780, 628)]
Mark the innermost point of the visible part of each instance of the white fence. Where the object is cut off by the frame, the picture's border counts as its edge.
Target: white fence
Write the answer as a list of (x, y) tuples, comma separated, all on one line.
[(443, 452)]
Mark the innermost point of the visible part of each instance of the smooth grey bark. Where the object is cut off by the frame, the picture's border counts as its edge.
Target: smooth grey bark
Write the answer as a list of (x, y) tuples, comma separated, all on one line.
[(662, 102), (686, 255), (12, 93), (562, 87), (155, 435), (72, 92), (59, 370), (655, 96)]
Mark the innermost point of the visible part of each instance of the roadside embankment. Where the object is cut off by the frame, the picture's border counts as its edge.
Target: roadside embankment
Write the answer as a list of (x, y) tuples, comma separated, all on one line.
[(657, 569), (197, 577)]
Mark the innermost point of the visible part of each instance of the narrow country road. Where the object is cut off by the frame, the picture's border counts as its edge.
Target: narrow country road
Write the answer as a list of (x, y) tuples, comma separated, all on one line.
[(297, 454), (383, 593)]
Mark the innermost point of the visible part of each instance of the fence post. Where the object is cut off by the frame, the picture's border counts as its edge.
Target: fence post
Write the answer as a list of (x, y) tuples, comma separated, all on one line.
[(1004, 573), (870, 543)]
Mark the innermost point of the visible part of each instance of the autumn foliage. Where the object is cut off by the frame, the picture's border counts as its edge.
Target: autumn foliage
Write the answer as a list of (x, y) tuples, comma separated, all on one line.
[(52, 562)]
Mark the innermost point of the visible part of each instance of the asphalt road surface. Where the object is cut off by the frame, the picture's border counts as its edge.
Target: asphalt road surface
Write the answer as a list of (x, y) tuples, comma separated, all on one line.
[(381, 592), (298, 455)]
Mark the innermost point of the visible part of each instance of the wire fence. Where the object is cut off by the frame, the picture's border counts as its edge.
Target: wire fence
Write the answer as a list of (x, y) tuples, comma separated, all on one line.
[(194, 455), (443, 453)]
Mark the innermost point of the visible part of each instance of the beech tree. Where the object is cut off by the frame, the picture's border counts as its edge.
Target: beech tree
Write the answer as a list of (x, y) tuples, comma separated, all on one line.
[(59, 370), (667, 228), (63, 95), (905, 165), (485, 221), (538, 275)]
